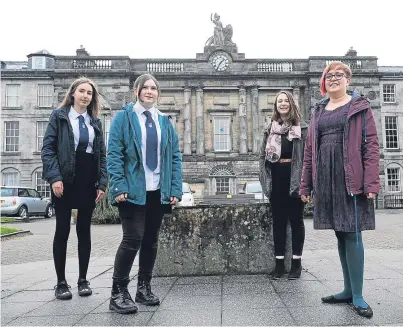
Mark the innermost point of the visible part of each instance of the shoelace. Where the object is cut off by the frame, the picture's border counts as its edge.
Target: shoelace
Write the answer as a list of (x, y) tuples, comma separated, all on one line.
[(63, 286), (84, 283), (126, 295)]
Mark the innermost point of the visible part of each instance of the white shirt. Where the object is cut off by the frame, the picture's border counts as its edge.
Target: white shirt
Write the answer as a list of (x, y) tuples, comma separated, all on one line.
[(152, 177), (73, 117)]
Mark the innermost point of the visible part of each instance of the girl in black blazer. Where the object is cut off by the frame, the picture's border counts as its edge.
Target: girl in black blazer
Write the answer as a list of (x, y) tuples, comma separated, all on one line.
[(74, 164)]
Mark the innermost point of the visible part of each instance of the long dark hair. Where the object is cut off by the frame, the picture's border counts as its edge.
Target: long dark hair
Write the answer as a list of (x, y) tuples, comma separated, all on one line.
[(294, 115), (94, 107)]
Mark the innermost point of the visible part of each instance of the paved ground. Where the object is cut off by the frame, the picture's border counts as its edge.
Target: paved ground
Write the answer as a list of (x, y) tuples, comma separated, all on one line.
[(28, 277)]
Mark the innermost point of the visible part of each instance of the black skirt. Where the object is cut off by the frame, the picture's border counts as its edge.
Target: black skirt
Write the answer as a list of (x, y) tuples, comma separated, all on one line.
[(82, 192)]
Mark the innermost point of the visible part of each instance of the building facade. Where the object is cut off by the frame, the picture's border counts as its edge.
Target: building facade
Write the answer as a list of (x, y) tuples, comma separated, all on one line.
[(219, 102)]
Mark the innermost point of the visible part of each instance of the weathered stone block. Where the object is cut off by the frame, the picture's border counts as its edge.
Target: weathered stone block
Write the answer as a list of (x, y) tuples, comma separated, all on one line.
[(217, 239)]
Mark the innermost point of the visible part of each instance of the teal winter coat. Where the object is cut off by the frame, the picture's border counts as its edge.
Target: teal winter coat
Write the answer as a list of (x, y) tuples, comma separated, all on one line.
[(125, 162)]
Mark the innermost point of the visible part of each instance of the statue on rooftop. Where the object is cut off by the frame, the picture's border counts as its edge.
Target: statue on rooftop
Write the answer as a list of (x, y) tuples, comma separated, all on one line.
[(222, 36)]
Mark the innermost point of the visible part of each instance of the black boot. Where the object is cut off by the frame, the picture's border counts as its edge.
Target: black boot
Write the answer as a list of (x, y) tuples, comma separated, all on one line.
[(144, 294), (62, 291), (121, 301), (278, 272), (296, 269)]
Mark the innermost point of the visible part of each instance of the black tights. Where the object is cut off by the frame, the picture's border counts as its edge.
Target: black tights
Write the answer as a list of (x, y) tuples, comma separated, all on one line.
[(141, 225), (283, 209), (83, 229)]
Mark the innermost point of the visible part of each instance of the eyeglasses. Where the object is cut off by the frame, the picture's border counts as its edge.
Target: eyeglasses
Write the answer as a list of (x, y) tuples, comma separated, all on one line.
[(337, 76)]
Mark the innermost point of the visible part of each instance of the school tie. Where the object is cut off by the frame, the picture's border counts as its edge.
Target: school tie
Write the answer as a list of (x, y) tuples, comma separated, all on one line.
[(151, 142), (84, 136)]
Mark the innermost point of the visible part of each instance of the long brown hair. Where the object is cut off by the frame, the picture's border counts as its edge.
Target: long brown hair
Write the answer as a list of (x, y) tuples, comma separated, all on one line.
[(94, 107), (294, 115)]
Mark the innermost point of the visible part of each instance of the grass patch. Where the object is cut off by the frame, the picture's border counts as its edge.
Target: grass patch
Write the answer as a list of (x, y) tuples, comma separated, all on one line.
[(7, 230), (7, 220)]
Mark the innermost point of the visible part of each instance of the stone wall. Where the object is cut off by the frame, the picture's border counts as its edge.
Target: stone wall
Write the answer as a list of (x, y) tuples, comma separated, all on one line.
[(218, 239)]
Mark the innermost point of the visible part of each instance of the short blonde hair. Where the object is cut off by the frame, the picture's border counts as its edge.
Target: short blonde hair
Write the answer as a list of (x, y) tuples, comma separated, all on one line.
[(331, 66)]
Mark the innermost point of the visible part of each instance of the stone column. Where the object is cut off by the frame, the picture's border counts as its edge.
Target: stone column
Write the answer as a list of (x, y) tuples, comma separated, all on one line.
[(295, 94), (255, 119), (243, 124), (187, 121), (199, 122)]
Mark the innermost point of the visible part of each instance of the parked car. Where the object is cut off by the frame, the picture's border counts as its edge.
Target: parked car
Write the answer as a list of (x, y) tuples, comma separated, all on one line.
[(254, 187), (187, 196), (24, 202)]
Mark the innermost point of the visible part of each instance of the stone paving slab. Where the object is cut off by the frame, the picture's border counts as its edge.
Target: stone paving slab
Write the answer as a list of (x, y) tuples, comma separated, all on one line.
[(27, 296)]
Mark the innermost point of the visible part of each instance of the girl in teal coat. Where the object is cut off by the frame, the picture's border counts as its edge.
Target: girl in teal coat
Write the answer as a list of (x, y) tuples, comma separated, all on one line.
[(145, 170)]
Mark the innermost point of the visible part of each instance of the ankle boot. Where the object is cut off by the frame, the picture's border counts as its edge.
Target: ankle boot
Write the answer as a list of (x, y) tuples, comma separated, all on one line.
[(296, 269), (144, 294), (278, 272), (121, 301)]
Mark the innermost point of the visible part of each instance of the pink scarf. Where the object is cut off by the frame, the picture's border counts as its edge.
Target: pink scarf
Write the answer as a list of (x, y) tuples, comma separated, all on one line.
[(273, 146)]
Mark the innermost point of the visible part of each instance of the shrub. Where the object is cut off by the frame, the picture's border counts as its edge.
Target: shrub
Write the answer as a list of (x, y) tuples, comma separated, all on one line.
[(104, 212)]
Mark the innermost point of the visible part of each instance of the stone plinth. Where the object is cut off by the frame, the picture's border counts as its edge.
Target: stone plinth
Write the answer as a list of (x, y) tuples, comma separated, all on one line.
[(217, 239)]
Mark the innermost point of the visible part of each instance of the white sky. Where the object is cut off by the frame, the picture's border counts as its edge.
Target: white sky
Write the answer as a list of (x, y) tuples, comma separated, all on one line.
[(179, 28)]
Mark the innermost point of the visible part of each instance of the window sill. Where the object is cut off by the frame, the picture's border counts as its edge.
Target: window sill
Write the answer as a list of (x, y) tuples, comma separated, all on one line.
[(47, 108), (12, 108), (36, 152), (392, 150), (10, 154), (392, 103)]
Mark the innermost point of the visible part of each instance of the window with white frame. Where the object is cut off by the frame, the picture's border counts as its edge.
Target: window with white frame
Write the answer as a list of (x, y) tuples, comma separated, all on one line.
[(389, 93), (42, 186), (9, 179), (40, 133), (106, 127), (391, 132), (394, 179), (12, 95), (11, 136), (222, 185), (222, 179), (38, 63), (45, 95), (222, 137)]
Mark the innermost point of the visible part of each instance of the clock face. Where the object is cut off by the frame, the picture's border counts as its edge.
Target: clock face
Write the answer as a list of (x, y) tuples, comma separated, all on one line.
[(220, 61)]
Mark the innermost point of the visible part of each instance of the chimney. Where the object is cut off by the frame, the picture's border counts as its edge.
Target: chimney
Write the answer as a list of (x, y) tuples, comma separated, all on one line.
[(82, 52), (351, 53)]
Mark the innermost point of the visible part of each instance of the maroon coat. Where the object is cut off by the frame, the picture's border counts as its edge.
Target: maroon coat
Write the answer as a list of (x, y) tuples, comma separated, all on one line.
[(360, 148)]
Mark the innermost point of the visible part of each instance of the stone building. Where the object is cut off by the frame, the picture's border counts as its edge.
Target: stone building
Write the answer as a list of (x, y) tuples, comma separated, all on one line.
[(219, 102)]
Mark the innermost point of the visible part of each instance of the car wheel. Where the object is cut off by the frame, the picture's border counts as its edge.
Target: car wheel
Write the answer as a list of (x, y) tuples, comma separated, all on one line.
[(23, 212), (48, 211)]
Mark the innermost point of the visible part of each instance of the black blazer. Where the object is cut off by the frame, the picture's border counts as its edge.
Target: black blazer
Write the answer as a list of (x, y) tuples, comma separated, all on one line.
[(58, 153)]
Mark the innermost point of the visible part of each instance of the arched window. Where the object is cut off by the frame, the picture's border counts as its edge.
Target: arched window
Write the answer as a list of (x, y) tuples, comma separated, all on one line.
[(222, 179), (394, 178), (41, 185), (10, 177)]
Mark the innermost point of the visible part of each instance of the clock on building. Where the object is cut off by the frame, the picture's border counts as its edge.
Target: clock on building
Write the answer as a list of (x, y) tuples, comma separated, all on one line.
[(221, 61)]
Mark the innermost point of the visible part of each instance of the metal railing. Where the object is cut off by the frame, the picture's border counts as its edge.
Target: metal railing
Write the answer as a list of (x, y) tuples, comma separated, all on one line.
[(394, 201)]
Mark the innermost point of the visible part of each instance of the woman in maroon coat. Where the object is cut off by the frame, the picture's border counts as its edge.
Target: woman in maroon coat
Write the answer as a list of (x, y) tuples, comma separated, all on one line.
[(341, 169)]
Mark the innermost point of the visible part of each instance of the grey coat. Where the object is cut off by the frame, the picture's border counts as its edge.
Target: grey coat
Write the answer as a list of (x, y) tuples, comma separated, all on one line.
[(296, 163)]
